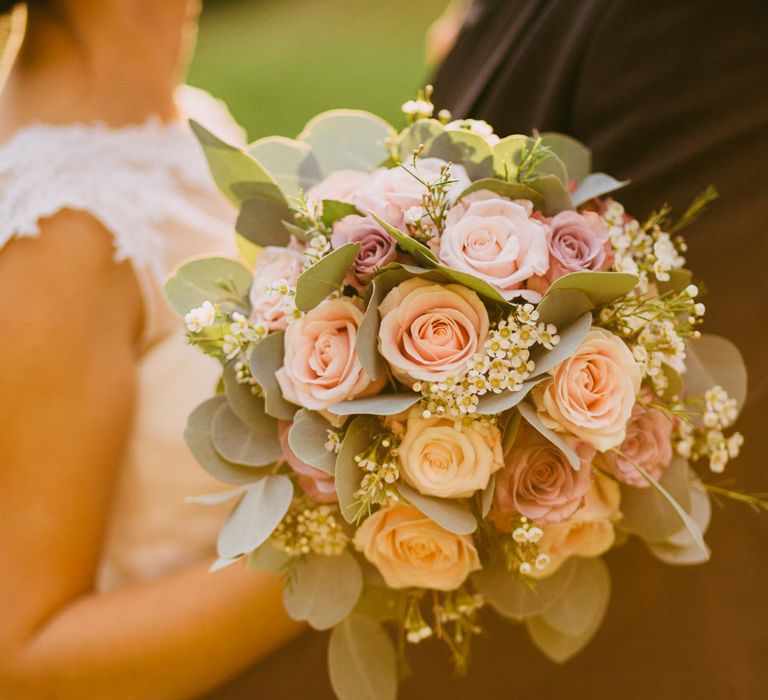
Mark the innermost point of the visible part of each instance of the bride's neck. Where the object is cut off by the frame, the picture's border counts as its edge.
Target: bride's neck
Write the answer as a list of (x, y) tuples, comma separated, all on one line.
[(113, 61)]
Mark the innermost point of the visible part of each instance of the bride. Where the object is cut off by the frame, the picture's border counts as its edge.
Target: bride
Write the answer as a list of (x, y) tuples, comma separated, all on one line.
[(102, 192)]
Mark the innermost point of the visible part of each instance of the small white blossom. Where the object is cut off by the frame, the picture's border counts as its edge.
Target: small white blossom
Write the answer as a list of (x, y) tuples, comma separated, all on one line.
[(201, 317)]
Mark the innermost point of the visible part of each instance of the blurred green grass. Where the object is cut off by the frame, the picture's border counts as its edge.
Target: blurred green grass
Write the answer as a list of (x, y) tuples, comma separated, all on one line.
[(277, 63)]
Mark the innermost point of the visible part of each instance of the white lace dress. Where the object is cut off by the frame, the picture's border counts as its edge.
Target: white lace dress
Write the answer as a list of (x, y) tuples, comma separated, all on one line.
[(149, 185)]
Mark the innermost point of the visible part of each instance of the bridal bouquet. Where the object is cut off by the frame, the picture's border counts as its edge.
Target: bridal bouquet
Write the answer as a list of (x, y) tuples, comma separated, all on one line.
[(455, 373)]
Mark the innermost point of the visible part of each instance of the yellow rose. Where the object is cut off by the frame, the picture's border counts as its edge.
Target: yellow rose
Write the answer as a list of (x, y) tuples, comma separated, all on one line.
[(409, 550)]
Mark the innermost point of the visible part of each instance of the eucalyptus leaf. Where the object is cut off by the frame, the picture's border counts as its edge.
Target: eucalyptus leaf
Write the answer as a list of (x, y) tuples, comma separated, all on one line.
[(680, 549), (235, 172), (510, 190), (379, 602), (528, 412), (486, 497), (563, 306), (510, 151), (571, 338), (379, 405), (323, 590), (517, 598), (347, 140), (714, 360), (421, 133), (678, 280), (255, 517), (700, 510), (552, 190), (197, 435), (324, 277), (291, 163), (220, 564), (215, 499), (574, 155), (254, 444), (596, 185), (208, 279), (471, 282), (266, 358), (362, 662), (248, 407), (268, 558), (464, 148), (511, 429), (334, 210), (410, 245), (492, 404), (600, 288), (262, 221), (449, 513), (307, 438), (348, 473)]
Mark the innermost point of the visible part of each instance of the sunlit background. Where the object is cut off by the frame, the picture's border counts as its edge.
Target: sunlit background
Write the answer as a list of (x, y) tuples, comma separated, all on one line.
[(277, 63)]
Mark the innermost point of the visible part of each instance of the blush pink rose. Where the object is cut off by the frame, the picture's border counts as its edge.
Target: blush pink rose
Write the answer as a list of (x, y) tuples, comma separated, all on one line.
[(430, 331), (648, 443), (592, 393), (577, 243), (410, 550), (497, 240), (318, 485), (377, 247), (393, 191), (341, 186), (274, 264), (320, 366), (539, 482)]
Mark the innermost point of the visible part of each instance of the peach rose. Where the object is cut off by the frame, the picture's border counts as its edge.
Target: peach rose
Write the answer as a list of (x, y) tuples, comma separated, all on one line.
[(318, 485), (577, 243), (409, 549), (377, 247), (392, 191), (588, 533), (272, 265), (497, 240), (592, 393), (648, 443), (341, 186), (320, 366), (448, 457), (429, 331), (538, 480)]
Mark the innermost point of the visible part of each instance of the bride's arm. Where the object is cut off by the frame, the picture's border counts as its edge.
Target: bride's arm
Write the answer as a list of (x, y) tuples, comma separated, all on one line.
[(69, 318)]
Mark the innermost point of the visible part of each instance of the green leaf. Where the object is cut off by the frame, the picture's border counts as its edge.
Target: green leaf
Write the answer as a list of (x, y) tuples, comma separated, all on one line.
[(220, 564), (574, 155), (379, 405), (261, 221), (681, 548), (410, 245), (378, 601), (253, 520), (248, 407), (528, 412), (554, 194), (347, 140), (714, 360), (268, 558), (600, 288), (323, 590), (216, 280), (215, 499), (236, 173), (511, 428), (516, 598), (509, 152), (674, 383), (562, 307), (464, 148), (449, 513), (560, 646), (571, 338), (361, 660), (420, 133), (348, 473), (678, 280), (266, 358), (492, 404), (291, 163), (596, 185), (486, 498), (324, 277), (333, 211), (307, 437), (197, 435), (648, 513), (254, 444), (510, 190)]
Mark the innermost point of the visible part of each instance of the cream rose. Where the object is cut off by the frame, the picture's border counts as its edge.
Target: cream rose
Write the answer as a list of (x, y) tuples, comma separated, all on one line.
[(409, 549), (496, 240), (274, 264), (539, 482), (588, 533), (448, 457), (429, 331), (320, 365), (592, 393)]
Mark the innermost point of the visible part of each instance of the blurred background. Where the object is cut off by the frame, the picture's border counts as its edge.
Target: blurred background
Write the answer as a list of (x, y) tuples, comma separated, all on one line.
[(277, 63)]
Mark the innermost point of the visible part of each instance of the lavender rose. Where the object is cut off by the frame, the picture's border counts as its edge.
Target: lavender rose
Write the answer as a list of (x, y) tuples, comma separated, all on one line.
[(377, 247)]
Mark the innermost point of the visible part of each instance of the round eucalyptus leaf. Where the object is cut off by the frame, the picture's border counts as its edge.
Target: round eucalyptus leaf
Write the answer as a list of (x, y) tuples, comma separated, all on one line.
[(573, 154), (307, 437), (529, 414), (380, 405), (449, 513), (254, 444), (596, 185), (421, 133), (348, 473), (290, 163), (571, 338), (266, 358), (216, 280), (600, 288), (714, 360)]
